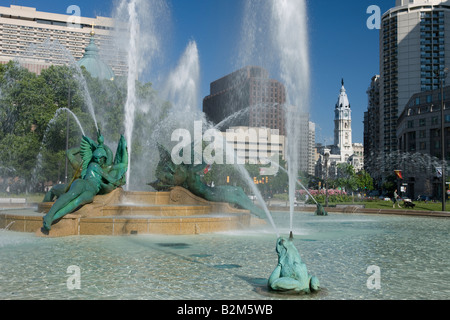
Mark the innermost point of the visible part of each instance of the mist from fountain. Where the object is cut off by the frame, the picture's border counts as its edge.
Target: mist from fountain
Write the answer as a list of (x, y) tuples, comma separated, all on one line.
[(298, 182), (294, 64), (50, 50), (132, 63), (139, 29), (181, 89), (288, 57), (38, 165), (423, 167), (243, 112), (244, 174), (72, 114), (182, 85)]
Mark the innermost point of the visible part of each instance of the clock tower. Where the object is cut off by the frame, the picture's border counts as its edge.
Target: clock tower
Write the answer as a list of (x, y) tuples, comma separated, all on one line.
[(343, 126)]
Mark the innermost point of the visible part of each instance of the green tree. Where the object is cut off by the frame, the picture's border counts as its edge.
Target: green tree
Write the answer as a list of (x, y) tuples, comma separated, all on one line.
[(19, 153), (364, 181), (346, 177)]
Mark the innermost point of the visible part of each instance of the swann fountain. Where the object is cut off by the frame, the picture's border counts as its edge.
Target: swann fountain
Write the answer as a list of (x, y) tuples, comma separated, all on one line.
[(231, 258), (98, 201)]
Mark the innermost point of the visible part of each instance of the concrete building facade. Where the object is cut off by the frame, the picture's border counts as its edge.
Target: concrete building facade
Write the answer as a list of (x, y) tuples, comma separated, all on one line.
[(419, 143), (39, 39), (251, 143), (414, 45)]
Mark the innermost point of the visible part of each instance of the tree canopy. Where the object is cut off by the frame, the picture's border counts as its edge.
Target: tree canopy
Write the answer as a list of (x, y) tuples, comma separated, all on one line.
[(34, 118)]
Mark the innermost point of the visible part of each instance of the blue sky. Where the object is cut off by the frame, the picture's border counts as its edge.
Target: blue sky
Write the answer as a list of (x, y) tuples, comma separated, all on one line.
[(341, 46)]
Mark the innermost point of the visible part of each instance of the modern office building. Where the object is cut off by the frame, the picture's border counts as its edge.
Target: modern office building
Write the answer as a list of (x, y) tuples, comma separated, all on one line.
[(255, 145), (414, 46), (247, 97), (419, 137), (306, 142), (312, 150), (372, 127), (39, 39)]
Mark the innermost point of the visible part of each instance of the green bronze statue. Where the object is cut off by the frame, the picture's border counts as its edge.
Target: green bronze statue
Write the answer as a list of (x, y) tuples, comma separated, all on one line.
[(291, 274), (100, 174), (320, 211), (55, 192), (170, 175)]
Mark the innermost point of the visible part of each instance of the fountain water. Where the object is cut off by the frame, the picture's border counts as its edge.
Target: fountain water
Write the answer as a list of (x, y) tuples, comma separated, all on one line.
[(38, 165), (242, 112), (182, 85), (137, 31), (130, 105), (294, 65), (288, 57), (48, 50), (72, 114), (244, 173), (298, 181)]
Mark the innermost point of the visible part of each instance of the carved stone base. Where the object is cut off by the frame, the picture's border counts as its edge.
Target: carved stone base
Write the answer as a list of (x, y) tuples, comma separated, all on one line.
[(120, 213)]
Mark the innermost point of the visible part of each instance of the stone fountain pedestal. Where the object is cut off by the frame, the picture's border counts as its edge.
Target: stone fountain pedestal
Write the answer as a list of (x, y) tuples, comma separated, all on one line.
[(177, 212)]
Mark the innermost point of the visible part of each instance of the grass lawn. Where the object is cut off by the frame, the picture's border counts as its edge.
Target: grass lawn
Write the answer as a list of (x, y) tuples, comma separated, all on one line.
[(372, 204), (420, 206), (31, 197)]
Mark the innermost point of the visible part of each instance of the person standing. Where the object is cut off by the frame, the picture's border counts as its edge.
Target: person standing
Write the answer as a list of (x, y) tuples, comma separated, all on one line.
[(395, 200)]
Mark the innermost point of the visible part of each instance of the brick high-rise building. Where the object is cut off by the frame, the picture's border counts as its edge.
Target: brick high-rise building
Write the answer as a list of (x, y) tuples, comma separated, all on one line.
[(249, 97)]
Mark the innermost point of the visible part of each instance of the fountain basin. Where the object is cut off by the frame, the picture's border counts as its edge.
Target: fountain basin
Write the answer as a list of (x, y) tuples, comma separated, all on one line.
[(177, 212)]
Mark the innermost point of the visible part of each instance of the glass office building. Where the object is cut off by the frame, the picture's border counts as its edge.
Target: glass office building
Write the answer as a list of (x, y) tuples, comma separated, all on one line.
[(414, 51)]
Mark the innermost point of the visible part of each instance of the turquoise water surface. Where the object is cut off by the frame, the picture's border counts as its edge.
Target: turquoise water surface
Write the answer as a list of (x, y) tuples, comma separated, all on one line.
[(411, 255)]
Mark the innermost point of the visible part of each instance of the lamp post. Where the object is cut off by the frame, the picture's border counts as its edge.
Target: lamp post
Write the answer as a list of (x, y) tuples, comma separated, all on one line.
[(326, 155), (442, 77)]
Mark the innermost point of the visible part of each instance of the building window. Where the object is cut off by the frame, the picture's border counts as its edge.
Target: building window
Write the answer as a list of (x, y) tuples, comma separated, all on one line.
[(412, 135), (410, 124), (422, 122), (422, 134), (423, 146), (435, 133)]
